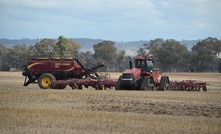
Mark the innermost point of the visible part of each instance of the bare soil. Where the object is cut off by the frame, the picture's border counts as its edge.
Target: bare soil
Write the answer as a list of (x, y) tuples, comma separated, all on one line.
[(116, 104), (33, 110)]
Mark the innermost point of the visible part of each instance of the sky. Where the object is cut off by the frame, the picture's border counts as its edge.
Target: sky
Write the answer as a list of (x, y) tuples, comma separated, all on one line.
[(116, 20)]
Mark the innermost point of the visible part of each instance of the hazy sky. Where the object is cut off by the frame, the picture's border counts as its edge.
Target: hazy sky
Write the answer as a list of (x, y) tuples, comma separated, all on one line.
[(117, 20)]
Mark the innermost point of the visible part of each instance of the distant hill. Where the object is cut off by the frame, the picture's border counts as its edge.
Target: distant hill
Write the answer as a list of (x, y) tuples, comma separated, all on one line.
[(189, 43), (87, 44), (13, 42)]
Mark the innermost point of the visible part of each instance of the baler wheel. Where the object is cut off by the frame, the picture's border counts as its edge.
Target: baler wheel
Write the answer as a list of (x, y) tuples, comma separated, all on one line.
[(45, 80)]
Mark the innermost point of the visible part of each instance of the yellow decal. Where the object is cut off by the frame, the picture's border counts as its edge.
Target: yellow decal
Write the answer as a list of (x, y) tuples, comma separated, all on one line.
[(69, 69), (57, 64), (33, 64), (62, 64)]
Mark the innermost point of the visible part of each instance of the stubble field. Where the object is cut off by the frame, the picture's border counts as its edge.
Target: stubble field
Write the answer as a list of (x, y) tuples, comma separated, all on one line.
[(32, 110)]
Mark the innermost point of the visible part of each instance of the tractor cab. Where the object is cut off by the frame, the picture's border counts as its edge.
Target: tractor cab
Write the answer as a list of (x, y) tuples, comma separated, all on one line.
[(146, 64)]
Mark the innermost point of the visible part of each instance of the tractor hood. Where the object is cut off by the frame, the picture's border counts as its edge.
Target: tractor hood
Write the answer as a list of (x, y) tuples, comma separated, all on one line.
[(135, 71)]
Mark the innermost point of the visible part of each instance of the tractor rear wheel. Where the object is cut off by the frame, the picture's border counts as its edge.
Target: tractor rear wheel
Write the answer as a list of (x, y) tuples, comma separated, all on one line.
[(164, 83), (45, 80), (147, 83)]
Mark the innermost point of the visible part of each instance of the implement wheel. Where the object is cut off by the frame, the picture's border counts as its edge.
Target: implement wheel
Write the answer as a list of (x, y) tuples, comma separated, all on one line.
[(45, 80), (204, 88)]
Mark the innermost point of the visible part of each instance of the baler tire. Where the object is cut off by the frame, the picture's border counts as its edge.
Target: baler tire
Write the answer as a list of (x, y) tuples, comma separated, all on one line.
[(45, 80)]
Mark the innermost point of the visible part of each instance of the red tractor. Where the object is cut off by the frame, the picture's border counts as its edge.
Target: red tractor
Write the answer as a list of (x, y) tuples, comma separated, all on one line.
[(142, 77)]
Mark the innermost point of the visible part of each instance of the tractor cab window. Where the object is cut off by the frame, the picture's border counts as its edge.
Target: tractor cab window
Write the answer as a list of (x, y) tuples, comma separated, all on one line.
[(139, 63), (150, 64), (146, 66)]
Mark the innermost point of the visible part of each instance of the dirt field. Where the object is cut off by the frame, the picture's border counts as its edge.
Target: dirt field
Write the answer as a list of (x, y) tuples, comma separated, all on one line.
[(32, 110)]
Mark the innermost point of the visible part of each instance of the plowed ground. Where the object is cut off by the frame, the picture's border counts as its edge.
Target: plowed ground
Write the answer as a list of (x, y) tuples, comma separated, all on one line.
[(33, 110), (107, 104)]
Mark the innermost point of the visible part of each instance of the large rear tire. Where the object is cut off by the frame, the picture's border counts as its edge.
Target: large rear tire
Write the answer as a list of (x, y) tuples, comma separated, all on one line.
[(46, 80), (147, 84), (164, 83)]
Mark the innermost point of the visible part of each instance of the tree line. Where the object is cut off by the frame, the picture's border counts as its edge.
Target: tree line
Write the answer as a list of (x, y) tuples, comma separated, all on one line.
[(169, 55), (175, 57)]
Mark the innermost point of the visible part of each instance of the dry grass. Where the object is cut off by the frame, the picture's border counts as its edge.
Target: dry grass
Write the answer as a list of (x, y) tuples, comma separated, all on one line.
[(32, 110)]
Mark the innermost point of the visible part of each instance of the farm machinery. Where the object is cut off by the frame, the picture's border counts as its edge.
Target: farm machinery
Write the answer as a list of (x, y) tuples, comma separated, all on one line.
[(144, 77), (58, 73)]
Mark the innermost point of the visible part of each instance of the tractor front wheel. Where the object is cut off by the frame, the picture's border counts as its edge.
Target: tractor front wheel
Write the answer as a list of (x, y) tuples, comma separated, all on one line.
[(118, 86), (45, 80), (147, 83)]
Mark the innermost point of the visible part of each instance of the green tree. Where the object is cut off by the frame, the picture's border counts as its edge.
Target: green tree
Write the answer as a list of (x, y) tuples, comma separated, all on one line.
[(105, 52), (65, 48), (73, 47), (141, 52), (153, 46), (86, 58), (3, 52), (17, 56), (120, 60), (172, 55), (219, 66), (43, 49), (61, 47), (204, 54)]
